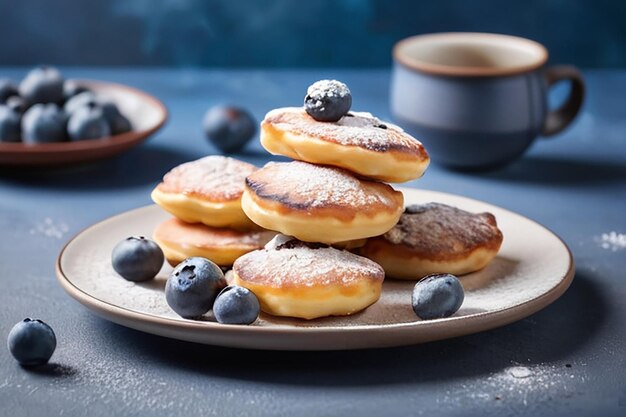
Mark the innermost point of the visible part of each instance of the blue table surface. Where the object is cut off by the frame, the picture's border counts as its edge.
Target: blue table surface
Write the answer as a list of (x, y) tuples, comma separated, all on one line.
[(574, 350)]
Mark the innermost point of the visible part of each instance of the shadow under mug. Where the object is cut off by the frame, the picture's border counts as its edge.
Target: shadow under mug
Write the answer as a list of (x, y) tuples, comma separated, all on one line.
[(478, 100)]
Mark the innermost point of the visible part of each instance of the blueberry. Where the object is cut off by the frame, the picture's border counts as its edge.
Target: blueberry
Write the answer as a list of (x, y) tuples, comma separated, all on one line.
[(10, 124), (117, 121), (137, 258), (43, 123), (79, 100), (229, 128), (42, 85), (32, 342), (236, 305), (17, 103), (192, 287), (88, 122), (7, 89), (436, 296), (72, 88), (327, 100)]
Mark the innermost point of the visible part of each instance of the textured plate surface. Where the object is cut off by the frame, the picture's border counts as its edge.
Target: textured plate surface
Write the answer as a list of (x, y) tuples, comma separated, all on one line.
[(146, 114), (534, 267)]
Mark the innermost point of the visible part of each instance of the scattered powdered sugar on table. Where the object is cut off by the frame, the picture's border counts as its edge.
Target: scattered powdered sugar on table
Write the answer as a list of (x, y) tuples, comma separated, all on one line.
[(50, 228), (612, 241), (517, 383)]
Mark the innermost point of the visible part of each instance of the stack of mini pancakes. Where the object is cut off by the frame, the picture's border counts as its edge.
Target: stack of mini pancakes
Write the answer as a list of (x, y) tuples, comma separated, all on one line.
[(331, 198), (341, 228)]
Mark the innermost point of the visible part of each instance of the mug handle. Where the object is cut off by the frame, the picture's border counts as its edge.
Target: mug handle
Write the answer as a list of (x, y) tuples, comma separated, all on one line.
[(558, 119)]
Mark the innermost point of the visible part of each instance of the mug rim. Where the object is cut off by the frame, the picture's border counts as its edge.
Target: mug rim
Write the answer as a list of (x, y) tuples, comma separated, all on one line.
[(400, 55)]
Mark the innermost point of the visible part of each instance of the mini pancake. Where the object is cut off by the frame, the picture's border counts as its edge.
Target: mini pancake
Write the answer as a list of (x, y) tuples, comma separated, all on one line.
[(318, 203), (435, 238), (358, 142), (308, 280), (206, 191), (180, 240)]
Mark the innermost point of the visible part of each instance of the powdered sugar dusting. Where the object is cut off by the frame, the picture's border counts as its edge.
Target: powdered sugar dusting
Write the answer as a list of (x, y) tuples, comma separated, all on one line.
[(360, 129), (303, 266), (612, 241), (50, 228), (317, 186), (216, 177), (327, 88), (278, 240), (518, 384), (441, 229)]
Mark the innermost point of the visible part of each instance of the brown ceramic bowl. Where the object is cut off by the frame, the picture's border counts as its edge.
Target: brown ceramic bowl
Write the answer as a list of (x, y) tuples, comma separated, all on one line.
[(146, 114)]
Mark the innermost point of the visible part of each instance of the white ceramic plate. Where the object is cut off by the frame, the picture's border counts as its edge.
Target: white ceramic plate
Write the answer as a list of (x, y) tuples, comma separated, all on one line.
[(534, 267)]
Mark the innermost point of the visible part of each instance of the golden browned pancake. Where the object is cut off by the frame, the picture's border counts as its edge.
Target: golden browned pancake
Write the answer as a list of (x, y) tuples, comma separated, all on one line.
[(358, 142), (318, 203), (180, 240), (432, 238), (206, 191), (309, 280)]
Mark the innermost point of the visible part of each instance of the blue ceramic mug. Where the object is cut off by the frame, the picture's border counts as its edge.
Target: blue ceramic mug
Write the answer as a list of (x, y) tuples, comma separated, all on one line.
[(478, 100)]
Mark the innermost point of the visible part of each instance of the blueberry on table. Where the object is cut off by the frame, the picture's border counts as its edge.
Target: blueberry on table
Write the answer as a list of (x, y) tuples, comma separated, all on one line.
[(437, 296), (236, 305), (72, 88), (118, 123), (10, 124), (42, 85), (327, 100), (192, 287), (229, 128), (7, 89), (44, 123), (32, 342), (88, 122), (137, 259)]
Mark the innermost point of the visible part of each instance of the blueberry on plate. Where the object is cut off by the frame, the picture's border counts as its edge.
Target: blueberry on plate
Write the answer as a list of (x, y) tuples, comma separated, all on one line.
[(229, 129), (137, 259), (80, 100), (7, 89), (437, 296), (327, 100), (192, 287), (44, 123), (88, 122), (236, 305), (10, 124), (42, 85), (117, 121), (17, 103), (32, 342), (72, 88)]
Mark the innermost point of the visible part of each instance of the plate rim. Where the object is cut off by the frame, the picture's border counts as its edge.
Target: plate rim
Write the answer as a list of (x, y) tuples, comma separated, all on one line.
[(494, 318)]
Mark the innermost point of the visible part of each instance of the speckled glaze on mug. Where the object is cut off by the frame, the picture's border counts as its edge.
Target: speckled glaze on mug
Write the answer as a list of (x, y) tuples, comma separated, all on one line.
[(478, 100)]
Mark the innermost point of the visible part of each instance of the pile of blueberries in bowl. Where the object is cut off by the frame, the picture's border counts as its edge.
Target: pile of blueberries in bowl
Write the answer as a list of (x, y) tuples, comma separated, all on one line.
[(46, 108)]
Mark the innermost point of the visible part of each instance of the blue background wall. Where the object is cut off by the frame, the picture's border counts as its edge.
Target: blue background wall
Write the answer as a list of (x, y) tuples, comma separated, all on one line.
[(277, 33)]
